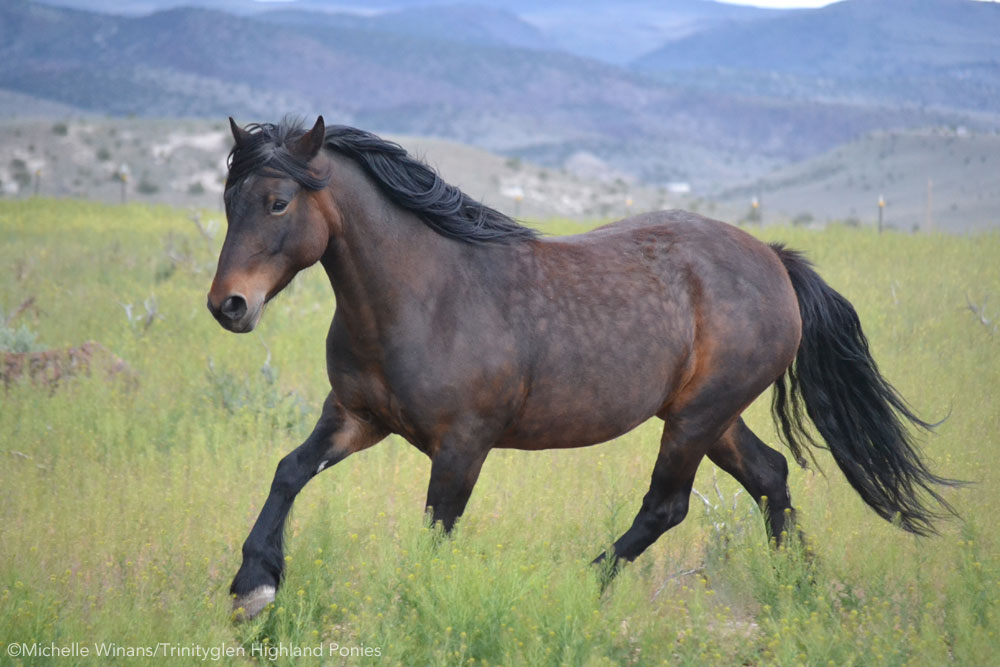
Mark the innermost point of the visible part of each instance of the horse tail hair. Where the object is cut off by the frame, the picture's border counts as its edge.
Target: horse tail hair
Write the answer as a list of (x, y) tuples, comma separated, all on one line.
[(859, 415)]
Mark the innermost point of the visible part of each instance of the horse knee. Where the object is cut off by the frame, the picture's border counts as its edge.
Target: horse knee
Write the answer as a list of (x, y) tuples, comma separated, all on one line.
[(288, 477), (668, 513)]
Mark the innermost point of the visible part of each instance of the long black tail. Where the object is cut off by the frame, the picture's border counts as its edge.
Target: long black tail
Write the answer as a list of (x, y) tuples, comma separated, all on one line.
[(856, 411)]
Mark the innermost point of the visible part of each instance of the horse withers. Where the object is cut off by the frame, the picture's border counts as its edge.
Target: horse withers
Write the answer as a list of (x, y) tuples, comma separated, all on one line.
[(461, 330)]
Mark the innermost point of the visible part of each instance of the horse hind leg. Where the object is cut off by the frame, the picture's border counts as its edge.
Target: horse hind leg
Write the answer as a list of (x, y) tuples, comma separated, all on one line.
[(688, 433), (665, 504), (761, 470), (704, 420)]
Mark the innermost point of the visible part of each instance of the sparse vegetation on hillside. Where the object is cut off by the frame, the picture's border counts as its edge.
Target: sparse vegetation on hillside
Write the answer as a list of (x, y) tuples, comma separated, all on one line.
[(182, 163), (942, 178)]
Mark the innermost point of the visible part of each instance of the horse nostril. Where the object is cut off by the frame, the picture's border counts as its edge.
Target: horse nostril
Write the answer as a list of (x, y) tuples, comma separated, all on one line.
[(234, 307)]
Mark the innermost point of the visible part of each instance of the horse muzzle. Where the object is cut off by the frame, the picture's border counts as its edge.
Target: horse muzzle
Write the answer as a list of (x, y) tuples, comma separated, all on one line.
[(236, 313)]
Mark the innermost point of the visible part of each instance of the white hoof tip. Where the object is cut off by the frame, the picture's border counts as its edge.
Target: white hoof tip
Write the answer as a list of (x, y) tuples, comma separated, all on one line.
[(247, 606)]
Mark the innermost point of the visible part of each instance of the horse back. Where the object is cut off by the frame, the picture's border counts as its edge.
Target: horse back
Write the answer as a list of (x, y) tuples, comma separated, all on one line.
[(626, 316)]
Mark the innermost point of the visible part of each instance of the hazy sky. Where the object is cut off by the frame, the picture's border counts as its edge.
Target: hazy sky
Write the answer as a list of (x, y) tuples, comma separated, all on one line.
[(780, 3), (787, 4)]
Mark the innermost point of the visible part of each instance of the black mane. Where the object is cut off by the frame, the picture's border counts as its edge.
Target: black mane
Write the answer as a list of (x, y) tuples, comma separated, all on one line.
[(408, 182)]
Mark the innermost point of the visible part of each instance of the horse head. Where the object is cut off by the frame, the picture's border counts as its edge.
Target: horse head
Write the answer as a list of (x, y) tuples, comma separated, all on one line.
[(277, 222)]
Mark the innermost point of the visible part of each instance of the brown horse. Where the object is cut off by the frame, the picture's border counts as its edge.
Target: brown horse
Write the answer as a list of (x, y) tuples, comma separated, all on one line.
[(461, 330)]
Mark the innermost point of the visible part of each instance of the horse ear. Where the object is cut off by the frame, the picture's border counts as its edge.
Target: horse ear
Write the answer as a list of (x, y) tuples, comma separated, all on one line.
[(240, 135), (310, 143)]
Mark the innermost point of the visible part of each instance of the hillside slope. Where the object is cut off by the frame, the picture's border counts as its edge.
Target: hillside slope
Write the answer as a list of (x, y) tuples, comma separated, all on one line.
[(469, 24), (540, 105), (943, 179), (544, 106), (920, 52), (611, 32), (183, 163)]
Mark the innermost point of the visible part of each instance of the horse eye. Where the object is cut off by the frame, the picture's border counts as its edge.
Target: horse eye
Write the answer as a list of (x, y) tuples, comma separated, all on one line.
[(279, 206)]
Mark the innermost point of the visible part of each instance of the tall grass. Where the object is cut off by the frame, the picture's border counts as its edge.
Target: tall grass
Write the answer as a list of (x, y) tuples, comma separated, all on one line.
[(124, 504)]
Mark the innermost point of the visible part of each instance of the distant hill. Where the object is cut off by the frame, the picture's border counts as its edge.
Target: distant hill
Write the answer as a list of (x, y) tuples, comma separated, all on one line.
[(542, 105), (942, 53), (954, 172), (614, 32), (20, 106), (183, 163), (621, 31), (470, 24)]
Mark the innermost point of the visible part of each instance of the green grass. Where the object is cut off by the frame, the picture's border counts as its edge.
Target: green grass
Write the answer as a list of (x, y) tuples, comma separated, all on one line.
[(124, 504)]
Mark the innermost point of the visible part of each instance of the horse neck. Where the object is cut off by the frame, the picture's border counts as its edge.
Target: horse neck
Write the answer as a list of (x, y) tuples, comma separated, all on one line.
[(385, 261)]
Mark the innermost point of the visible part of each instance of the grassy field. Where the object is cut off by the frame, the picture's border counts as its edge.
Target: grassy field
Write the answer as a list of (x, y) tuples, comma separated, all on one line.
[(126, 496)]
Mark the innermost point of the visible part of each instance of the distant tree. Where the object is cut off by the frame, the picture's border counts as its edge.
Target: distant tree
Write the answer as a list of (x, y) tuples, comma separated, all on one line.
[(147, 187)]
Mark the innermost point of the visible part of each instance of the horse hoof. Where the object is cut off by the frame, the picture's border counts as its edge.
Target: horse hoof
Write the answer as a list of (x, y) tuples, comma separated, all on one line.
[(247, 606)]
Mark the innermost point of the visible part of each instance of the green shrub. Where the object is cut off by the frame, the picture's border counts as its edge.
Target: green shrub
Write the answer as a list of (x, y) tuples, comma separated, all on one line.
[(19, 339), (147, 187)]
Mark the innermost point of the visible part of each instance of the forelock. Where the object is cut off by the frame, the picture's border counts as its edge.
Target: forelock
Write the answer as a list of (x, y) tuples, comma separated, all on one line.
[(267, 146)]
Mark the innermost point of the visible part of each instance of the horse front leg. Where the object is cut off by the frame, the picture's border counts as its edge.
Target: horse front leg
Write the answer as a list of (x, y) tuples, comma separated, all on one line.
[(337, 435), (454, 471)]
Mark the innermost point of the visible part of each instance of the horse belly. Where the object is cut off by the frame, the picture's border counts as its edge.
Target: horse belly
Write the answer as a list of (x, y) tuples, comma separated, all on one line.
[(610, 328), (589, 391)]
